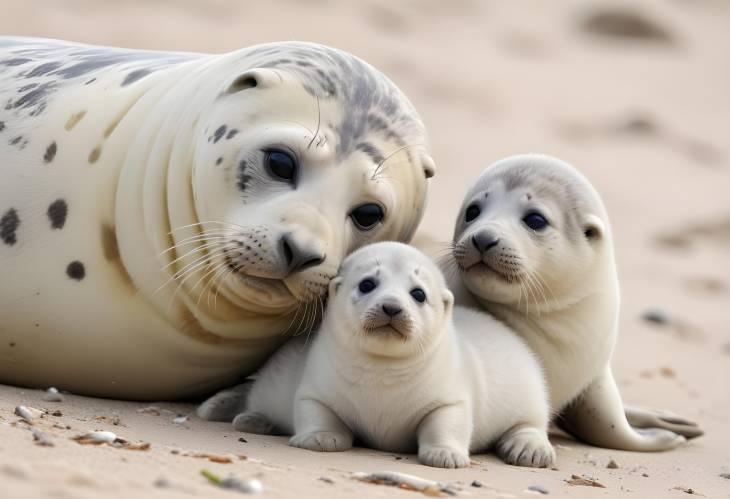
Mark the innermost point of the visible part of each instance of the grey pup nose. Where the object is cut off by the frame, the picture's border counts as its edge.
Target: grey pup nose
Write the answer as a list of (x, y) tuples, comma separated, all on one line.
[(484, 241), (297, 257), (391, 310)]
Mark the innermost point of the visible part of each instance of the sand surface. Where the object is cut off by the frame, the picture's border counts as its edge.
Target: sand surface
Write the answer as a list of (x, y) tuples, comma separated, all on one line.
[(644, 111)]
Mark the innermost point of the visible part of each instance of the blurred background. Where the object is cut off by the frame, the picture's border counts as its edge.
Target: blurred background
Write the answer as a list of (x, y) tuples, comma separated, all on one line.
[(635, 94)]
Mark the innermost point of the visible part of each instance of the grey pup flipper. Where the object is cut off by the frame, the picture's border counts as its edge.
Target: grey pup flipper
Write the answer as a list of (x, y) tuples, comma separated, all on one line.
[(597, 417), (226, 404), (640, 417)]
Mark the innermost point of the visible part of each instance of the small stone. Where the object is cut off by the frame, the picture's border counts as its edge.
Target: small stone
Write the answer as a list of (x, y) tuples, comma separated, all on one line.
[(667, 372), (23, 412), (180, 420), (41, 438), (645, 475), (725, 475), (477, 484), (241, 439), (162, 483), (326, 479), (656, 317), (57, 413), (538, 488), (612, 465), (52, 395)]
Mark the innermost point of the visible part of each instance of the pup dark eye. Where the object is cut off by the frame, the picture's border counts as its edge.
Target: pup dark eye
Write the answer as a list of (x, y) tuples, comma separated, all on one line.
[(535, 221), (366, 286), (367, 216), (472, 212), (418, 294), (281, 165)]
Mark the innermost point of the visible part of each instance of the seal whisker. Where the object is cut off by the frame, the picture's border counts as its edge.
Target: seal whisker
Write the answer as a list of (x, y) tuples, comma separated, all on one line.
[(319, 121), (379, 167)]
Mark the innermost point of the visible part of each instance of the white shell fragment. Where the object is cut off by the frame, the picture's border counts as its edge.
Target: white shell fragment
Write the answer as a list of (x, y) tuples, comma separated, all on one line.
[(52, 395), (428, 487), (180, 420), (103, 437), (24, 413)]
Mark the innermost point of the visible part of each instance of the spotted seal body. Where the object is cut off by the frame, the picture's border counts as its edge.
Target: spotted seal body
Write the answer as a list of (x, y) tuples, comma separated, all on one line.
[(167, 219)]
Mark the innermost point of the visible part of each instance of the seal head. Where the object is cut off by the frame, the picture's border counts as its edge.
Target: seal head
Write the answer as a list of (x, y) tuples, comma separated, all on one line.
[(389, 300), (531, 233)]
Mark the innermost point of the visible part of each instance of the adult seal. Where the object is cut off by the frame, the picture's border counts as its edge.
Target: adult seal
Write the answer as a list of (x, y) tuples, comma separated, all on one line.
[(534, 247), (167, 219)]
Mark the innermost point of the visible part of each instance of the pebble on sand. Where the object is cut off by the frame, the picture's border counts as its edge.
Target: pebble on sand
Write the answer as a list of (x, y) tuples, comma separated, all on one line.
[(52, 395), (613, 465), (23, 412), (539, 489)]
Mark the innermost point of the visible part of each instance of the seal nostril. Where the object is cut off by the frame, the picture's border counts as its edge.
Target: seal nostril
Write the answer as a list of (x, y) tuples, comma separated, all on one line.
[(391, 310), (288, 254), (484, 242), (298, 258)]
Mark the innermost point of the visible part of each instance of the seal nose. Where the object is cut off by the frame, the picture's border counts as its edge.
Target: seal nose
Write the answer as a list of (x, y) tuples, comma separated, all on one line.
[(484, 241), (298, 257), (391, 310)]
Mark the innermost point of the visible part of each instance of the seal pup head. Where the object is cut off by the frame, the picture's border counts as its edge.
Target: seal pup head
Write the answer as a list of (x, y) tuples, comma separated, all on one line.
[(389, 300), (532, 232), (306, 154)]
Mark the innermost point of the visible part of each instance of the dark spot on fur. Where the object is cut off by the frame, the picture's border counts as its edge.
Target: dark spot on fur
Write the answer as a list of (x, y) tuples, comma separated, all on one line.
[(219, 161), (16, 140), (15, 62), (2, 126), (73, 120), (243, 177), (76, 270), (90, 81), (57, 212), (231, 133), (110, 247), (11, 344), (135, 75), (43, 69), (220, 131), (25, 88), (94, 155), (50, 152), (375, 154), (8, 226)]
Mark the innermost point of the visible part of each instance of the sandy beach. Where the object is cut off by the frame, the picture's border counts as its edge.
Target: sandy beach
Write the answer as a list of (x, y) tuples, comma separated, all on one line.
[(633, 94)]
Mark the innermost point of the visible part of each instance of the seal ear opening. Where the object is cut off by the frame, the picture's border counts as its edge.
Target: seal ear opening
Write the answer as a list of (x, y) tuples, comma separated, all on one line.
[(593, 228), (251, 79), (429, 167), (335, 284)]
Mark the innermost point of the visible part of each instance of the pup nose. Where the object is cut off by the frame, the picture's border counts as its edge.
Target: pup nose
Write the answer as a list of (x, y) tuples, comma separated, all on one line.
[(297, 256), (391, 310), (484, 241)]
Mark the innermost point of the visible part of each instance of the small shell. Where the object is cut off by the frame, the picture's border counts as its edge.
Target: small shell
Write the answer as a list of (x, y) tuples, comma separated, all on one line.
[(100, 436), (24, 413), (52, 395)]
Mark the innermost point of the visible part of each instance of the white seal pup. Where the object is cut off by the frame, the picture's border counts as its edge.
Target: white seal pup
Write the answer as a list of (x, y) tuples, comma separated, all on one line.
[(391, 367), (533, 245), (165, 218)]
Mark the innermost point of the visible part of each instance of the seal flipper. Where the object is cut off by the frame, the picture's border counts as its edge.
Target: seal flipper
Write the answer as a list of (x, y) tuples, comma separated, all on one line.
[(597, 417), (641, 417), (226, 404)]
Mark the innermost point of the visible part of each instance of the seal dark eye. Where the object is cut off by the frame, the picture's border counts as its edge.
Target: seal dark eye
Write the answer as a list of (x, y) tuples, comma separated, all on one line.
[(472, 212), (418, 294), (367, 216), (366, 286), (535, 221), (281, 165)]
